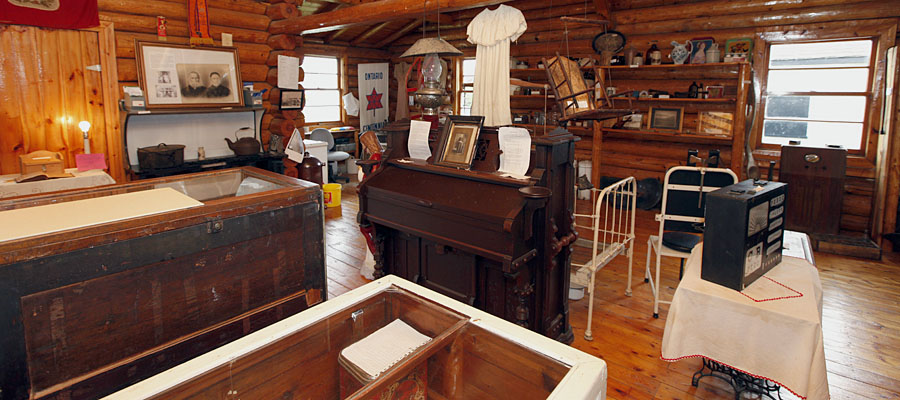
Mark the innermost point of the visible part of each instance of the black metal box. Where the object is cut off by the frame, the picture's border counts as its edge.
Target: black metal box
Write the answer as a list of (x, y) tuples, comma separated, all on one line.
[(744, 232)]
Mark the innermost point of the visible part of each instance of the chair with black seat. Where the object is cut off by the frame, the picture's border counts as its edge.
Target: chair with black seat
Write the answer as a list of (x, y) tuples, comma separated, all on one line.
[(681, 217), (324, 135)]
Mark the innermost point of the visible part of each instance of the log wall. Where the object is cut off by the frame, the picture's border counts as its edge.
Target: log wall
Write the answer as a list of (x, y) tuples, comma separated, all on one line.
[(246, 20), (664, 21)]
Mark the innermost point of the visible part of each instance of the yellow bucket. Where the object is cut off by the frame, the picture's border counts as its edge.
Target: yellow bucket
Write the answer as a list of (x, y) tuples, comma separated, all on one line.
[(332, 193)]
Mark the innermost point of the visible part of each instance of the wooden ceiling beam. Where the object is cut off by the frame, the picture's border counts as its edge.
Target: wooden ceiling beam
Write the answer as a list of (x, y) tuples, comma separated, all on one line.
[(367, 34), (397, 35), (335, 35), (368, 13), (603, 9)]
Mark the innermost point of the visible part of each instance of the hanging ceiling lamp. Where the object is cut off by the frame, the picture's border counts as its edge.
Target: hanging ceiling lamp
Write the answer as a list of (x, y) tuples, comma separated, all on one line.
[(430, 95)]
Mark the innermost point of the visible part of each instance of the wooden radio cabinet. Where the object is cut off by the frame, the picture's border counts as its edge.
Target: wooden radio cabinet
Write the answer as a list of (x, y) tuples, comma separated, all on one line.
[(815, 178)]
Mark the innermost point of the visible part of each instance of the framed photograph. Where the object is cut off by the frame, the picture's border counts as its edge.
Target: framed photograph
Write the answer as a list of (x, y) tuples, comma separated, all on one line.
[(715, 92), (174, 75), (292, 99), (457, 142), (698, 49), (666, 118), (738, 49), (715, 123)]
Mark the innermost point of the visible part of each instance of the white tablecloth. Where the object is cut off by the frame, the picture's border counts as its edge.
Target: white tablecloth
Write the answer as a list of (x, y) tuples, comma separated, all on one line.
[(94, 177), (768, 331)]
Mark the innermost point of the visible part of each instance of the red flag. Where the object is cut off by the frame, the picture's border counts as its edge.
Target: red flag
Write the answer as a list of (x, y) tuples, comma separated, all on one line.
[(65, 14)]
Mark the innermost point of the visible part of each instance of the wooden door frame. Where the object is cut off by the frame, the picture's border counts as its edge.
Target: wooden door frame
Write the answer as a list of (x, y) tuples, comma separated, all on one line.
[(106, 40)]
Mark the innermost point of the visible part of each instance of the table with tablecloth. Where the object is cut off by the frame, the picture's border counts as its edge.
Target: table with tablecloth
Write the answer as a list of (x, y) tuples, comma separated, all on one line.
[(770, 330), (78, 180)]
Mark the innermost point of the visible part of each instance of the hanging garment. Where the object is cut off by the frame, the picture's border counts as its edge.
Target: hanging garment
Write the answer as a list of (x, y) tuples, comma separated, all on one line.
[(402, 111), (492, 30)]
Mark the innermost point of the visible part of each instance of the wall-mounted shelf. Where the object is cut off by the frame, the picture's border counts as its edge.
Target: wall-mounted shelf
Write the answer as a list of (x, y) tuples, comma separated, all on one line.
[(666, 136)]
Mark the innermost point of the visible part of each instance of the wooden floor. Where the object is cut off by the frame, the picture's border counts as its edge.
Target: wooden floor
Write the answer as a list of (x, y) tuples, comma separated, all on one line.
[(861, 320)]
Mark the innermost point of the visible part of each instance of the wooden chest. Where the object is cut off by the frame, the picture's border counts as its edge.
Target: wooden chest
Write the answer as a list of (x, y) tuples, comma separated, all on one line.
[(471, 355), (86, 311)]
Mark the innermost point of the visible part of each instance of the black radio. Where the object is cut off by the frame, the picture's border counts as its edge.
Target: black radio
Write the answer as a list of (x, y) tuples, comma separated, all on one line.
[(744, 232)]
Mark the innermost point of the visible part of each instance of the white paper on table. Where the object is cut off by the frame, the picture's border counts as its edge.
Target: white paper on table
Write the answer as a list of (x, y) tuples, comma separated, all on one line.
[(288, 72), (515, 147), (418, 140)]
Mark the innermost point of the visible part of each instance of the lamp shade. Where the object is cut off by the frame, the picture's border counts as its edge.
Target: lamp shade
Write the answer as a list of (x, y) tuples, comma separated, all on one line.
[(431, 46)]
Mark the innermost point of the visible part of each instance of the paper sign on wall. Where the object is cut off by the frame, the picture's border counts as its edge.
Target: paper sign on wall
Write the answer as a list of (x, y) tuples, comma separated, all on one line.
[(288, 72)]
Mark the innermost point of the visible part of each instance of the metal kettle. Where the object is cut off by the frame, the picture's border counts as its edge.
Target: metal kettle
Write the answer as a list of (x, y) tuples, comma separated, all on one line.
[(244, 146)]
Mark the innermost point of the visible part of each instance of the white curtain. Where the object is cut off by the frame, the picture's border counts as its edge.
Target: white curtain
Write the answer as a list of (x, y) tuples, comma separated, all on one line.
[(492, 31)]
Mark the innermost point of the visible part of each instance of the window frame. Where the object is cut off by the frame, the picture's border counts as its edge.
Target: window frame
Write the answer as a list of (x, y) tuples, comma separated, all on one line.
[(868, 94), (460, 86), (341, 84), (880, 31)]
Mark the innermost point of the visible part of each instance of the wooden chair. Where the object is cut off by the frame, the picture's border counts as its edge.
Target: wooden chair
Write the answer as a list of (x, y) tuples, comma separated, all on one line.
[(681, 217), (573, 96), (612, 224)]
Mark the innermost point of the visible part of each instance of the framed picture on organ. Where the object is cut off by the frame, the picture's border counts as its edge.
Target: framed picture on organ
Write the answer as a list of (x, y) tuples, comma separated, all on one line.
[(456, 146), (174, 76)]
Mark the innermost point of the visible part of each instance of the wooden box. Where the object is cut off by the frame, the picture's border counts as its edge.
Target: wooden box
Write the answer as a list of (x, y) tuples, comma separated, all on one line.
[(90, 310), (41, 161), (815, 178), (472, 354)]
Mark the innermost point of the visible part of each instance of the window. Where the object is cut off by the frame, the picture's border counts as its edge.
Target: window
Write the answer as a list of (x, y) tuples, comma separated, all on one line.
[(468, 82), (818, 92), (321, 79)]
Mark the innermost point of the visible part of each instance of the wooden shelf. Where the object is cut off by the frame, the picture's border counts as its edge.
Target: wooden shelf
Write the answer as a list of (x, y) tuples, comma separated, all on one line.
[(665, 136), (707, 65), (578, 130), (531, 97), (674, 100)]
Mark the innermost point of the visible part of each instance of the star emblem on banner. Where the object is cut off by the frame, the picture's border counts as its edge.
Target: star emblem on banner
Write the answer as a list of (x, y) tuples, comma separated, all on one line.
[(374, 100)]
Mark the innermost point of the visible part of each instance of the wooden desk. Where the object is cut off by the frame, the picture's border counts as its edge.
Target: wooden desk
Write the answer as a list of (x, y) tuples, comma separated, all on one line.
[(771, 330)]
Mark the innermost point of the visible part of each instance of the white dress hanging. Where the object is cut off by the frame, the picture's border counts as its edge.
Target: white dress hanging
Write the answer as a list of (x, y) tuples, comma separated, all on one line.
[(492, 31)]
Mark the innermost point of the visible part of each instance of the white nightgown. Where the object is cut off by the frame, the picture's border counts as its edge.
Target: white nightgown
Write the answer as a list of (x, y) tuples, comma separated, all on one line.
[(492, 30)]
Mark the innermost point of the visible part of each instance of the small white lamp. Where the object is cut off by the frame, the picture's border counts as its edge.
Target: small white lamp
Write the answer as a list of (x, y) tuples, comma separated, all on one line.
[(85, 127)]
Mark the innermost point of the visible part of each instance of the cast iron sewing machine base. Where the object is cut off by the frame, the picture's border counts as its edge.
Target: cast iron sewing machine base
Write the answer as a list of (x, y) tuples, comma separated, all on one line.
[(738, 380)]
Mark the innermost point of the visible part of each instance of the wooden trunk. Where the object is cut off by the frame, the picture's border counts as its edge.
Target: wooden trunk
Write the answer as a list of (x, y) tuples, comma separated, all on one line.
[(471, 355), (86, 311), (476, 236)]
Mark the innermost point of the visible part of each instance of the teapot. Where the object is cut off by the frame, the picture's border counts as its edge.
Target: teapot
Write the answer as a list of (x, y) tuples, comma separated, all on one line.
[(680, 52), (245, 146)]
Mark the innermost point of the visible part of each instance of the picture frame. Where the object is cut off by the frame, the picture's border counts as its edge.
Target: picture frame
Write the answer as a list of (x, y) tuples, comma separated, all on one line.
[(175, 76), (715, 123), (456, 146), (715, 92), (740, 49), (292, 99), (698, 50), (666, 118)]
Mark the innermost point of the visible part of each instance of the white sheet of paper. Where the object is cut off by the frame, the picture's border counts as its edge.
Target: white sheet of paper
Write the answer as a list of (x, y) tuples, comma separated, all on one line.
[(227, 40), (288, 72), (418, 140), (515, 145)]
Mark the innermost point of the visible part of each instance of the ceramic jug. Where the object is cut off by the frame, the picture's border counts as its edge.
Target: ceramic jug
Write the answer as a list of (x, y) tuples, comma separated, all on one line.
[(713, 53), (680, 52)]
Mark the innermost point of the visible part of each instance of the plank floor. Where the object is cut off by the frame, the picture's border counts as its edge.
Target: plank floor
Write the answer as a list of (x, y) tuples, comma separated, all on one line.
[(860, 318)]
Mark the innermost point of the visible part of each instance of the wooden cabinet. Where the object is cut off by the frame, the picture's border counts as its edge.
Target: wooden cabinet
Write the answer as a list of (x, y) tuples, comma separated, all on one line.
[(715, 121)]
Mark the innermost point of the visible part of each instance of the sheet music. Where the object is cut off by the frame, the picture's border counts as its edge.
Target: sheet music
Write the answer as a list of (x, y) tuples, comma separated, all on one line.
[(418, 140), (515, 147)]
